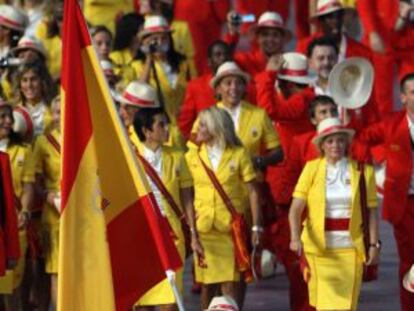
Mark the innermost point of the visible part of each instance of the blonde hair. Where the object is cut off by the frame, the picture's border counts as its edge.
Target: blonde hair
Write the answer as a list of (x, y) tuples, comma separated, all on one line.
[(220, 126)]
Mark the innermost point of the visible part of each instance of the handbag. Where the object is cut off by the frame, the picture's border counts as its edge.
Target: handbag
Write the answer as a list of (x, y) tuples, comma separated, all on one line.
[(370, 273), (238, 228), (167, 195)]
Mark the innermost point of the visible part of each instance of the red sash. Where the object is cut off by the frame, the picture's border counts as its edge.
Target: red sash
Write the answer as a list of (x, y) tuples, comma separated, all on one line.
[(52, 140), (238, 226)]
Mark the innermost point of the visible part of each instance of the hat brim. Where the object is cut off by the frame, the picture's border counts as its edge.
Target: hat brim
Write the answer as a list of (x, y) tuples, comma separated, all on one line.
[(125, 101), (216, 80), (145, 33), (329, 11), (300, 80), (287, 33), (16, 50), (320, 137), (357, 97)]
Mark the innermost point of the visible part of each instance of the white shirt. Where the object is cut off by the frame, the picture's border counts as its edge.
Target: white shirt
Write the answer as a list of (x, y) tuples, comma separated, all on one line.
[(338, 202), (318, 90), (214, 155), (3, 144), (155, 160), (411, 129), (37, 112), (235, 115)]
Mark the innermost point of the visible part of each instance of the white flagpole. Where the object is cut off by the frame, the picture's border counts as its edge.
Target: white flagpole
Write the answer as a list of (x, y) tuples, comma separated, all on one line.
[(171, 278)]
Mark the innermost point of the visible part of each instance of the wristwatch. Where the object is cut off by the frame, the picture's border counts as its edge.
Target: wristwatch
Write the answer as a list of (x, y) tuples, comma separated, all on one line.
[(376, 245)]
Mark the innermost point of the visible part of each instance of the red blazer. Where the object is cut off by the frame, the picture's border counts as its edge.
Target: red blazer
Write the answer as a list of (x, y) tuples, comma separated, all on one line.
[(9, 232), (253, 61), (353, 47), (393, 132)]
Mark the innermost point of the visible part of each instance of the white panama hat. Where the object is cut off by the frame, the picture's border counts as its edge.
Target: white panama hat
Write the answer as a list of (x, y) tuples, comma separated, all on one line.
[(154, 24), (139, 94), (295, 69), (228, 69), (273, 20), (330, 126), (12, 18), (223, 303), (29, 43), (325, 7), (408, 280)]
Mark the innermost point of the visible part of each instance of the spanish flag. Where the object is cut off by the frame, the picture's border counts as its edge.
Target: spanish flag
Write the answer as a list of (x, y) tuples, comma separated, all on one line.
[(114, 244)]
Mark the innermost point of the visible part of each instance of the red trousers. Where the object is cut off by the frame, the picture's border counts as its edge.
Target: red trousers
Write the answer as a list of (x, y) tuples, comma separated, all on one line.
[(403, 233), (277, 239)]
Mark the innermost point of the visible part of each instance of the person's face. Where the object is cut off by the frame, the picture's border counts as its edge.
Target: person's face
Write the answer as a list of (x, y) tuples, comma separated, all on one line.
[(56, 113), (323, 111), (271, 41), (219, 55), (322, 60), (6, 122), (289, 88), (159, 131), (203, 134), (127, 114), (31, 86), (161, 39), (28, 56), (145, 7), (334, 146), (231, 90), (331, 23), (102, 42), (4, 33), (407, 96)]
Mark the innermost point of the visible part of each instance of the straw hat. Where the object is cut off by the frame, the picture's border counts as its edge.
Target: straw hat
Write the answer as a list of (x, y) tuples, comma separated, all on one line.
[(325, 7), (263, 264), (351, 82), (228, 69), (12, 18), (408, 280), (223, 303), (330, 126), (154, 24), (295, 68), (272, 20), (29, 43), (23, 123), (140, 94)]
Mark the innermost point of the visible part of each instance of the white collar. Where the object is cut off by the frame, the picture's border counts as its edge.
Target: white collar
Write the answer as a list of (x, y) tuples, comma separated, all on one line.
[(153, 157), (37, 108), (234, 113), (341, 164), (318, 90), (3, 144)]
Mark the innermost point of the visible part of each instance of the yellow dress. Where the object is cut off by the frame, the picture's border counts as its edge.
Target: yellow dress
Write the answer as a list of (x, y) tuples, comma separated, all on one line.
[(336, 274), (173, 94), (175, 176), (47, 162), (19, 155), (213, 219)]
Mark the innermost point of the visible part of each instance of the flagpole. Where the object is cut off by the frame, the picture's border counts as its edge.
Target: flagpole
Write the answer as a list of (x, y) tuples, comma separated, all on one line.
[(171, 278)]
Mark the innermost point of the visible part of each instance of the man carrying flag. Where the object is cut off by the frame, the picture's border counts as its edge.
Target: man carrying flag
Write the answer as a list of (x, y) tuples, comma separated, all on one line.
[(114, 244)]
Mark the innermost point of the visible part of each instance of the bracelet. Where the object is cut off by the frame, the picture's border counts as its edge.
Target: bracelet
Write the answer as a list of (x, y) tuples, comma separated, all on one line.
[(376, 245), (257, 229)]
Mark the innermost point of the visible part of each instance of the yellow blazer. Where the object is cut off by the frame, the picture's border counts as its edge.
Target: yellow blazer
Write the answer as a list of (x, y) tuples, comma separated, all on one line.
[(173, 96), (311, 188), (175, 176), (255, 129), (234, 170), (183, 43), (122, 61), (47, 163), (19, 164)]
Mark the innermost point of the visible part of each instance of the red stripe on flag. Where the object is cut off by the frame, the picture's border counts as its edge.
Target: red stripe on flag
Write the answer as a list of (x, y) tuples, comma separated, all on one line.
[(77, 121), (132, 249)]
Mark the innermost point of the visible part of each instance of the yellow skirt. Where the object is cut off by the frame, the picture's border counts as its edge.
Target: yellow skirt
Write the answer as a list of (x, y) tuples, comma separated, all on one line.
[(51, 247), (335, 280), (219, 257), (13, 278), (162, 293)]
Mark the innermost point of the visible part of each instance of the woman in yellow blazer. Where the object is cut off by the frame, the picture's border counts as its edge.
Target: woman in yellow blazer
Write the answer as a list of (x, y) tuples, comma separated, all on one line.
[(221, 150), (332, 236), (151, 127), (35, 90), (172, 68), (46, 163)]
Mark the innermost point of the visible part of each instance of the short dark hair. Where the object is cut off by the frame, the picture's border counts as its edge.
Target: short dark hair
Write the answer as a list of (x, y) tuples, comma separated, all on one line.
[(100, 28), (405, 79), (319, 100), (126, 29), (144, 118), (321, 41), (220, 43)]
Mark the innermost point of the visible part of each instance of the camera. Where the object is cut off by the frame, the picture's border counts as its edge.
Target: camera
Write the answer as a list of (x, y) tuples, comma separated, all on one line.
[(235, 18), (8, 61), (153, 47)]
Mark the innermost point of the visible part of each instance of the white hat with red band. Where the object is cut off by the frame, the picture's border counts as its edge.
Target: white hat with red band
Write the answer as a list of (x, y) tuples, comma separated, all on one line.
[(330, 126), (295, 68), (325, 7), (12, 18), (23, 123), (223, 303), (140, 94), (272, 20), (29, 43), (154, 24), (228, 69), (408, 280), (263, 263)]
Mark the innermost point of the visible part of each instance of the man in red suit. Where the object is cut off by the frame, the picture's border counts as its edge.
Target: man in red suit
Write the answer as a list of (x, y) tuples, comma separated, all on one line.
[(396, 131), (329, 20), (389, 32)]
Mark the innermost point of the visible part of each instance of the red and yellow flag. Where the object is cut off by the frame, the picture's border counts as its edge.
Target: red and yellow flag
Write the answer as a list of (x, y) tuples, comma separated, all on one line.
[(114, 245)]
